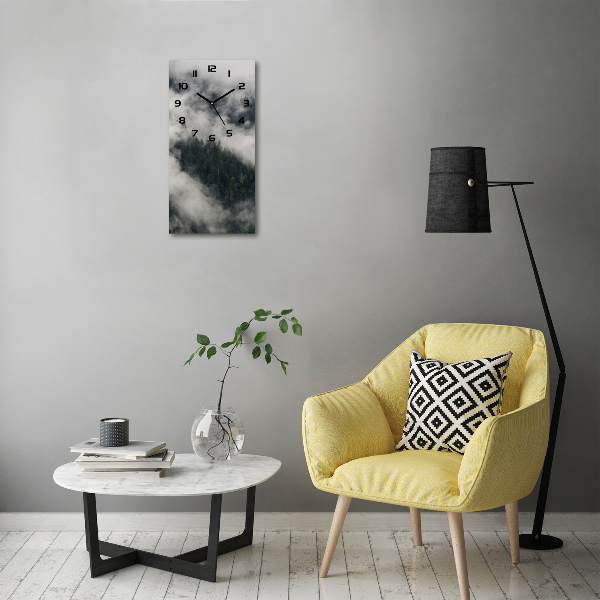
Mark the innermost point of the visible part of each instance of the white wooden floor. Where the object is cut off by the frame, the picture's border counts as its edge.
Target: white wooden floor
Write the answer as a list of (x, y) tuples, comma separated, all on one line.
[(367, 565)]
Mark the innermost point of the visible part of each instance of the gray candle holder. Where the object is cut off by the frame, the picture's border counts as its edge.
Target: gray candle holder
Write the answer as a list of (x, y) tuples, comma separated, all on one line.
[(114, 431)]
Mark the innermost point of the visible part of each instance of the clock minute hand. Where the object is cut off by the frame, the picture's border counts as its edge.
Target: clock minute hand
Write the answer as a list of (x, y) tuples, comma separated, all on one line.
[(223, 96), (213, 105)]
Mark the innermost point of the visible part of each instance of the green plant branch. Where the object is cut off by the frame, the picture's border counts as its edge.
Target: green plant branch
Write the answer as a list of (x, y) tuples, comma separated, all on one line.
[(259, 342)]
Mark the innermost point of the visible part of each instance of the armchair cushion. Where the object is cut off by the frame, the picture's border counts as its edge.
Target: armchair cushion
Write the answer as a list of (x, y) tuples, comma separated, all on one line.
[(447, 402), (419, 478)]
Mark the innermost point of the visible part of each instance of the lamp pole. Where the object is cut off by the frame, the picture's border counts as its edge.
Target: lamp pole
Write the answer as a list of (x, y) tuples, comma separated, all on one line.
[(536, 540)]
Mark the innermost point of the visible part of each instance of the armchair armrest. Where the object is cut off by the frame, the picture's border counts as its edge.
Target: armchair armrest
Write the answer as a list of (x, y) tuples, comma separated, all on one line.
[(343, 425), (502, 461)]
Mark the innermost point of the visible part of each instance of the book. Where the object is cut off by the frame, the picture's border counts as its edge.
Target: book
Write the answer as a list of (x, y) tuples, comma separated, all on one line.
[(90, 457), (134, 449), (94, 462), (118, 474)]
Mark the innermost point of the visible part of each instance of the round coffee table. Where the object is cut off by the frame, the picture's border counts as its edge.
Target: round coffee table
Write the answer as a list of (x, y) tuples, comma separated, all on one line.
[(189, 476)]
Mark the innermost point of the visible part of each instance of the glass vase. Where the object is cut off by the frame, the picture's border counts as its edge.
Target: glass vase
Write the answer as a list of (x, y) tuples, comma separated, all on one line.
[(217, 434)]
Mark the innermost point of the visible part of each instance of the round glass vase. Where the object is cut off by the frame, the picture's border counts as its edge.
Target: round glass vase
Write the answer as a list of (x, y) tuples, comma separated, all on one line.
[(217, 434)]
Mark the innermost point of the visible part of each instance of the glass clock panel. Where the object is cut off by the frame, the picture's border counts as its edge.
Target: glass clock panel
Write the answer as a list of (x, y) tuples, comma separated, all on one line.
[(212, 132)]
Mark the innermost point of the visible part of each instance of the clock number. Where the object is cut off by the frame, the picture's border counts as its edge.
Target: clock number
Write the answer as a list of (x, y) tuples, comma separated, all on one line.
[(242, 86), (182, 120), (183, 86), (211, 138), (228, 73), (241, 121), (177, 103), (194, 73), (246, 102), (194, 132), (212, 68), (229, 133)]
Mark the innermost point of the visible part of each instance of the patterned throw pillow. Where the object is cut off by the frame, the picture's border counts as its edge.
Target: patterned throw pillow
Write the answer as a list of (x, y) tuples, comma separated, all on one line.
[(448, 401)]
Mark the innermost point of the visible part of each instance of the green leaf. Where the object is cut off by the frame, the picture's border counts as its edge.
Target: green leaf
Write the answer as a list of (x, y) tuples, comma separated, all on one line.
[(283, 366), (260, 337), (256, 351), (202, 339), (268, 358), (237, 332), (283, 326), (297, 328), (226, 344), (268, 348), (287, 311), (260, 313), (211, 352), (294, 320), (244, 326), (275, 316), (260, 318), (189, 360)]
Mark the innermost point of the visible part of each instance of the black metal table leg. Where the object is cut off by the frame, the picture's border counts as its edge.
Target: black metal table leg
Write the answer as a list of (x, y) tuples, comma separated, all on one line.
[(121, 556), (183, 564)]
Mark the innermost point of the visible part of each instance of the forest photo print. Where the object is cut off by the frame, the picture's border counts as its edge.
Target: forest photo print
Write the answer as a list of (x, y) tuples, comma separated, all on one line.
[(211, 146)]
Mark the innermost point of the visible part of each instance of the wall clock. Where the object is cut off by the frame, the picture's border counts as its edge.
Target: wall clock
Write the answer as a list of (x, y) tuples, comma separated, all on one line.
[(212, 129)]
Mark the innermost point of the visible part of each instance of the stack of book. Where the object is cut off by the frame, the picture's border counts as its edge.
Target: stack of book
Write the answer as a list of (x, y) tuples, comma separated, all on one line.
[(147, 460)]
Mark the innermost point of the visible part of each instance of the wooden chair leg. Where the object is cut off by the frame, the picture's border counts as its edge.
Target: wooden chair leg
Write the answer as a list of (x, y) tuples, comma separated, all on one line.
[(460, 553), (341, 509), (512, 519), (415, 517)]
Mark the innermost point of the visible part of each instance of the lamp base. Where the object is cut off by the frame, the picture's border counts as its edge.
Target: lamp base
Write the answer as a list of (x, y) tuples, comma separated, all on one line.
[(541, 542)]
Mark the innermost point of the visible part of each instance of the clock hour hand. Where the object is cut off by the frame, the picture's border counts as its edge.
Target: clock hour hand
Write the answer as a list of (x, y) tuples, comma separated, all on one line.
[(213, 105), (223, 96), (203, 98)]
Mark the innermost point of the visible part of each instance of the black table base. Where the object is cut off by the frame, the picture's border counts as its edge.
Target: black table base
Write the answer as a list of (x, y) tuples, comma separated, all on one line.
[(183, 564)]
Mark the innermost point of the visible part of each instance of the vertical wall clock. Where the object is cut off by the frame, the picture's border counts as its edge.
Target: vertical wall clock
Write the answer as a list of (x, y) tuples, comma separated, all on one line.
[(212, 132)]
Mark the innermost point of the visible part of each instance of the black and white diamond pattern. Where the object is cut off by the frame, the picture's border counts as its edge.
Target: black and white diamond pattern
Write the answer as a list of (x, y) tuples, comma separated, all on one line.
[(448, 401)]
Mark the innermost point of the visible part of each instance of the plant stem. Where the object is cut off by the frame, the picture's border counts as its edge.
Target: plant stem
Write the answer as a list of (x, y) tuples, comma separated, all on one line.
[(223, 380)]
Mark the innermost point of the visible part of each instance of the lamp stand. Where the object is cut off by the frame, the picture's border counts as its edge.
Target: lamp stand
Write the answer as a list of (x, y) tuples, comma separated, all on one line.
[(536, 540)]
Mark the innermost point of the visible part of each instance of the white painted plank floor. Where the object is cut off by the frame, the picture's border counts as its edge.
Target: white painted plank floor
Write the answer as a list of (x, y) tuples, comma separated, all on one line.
[(368, 565)]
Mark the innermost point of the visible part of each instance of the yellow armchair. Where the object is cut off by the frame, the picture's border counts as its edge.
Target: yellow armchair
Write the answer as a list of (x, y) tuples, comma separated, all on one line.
[(349, 436)]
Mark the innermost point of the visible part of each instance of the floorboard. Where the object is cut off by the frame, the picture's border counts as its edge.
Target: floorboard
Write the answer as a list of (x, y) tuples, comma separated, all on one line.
[(393, 584), (543, 584), (11, 543), (245, 573), (304, 576), (283, 564), (335, 586), (42, 573), (72, 572), (581, 558), (275, 570), (591, 540), (419, 572), (509, 577), (483, 583), (25, 559), (362, 576)]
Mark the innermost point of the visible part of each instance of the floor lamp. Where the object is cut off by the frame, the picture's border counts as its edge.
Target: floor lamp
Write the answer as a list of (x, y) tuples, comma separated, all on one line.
[(458, 203)]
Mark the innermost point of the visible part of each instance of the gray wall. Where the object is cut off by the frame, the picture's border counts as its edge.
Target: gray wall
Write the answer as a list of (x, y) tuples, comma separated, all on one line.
[(100, 306)]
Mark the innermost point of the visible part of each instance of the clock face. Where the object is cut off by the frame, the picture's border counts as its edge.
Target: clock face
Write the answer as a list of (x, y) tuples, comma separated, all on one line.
[(211, 146)]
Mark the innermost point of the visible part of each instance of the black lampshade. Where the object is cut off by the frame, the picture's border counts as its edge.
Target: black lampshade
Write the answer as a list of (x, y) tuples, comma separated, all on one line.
[(458, 193)]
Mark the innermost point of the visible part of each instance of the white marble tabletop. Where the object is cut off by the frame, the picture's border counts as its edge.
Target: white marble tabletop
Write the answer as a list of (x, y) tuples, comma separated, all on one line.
[(189, 476)]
